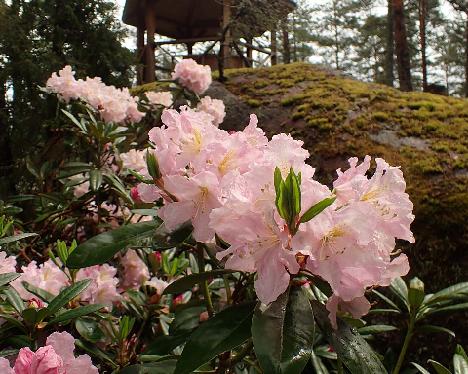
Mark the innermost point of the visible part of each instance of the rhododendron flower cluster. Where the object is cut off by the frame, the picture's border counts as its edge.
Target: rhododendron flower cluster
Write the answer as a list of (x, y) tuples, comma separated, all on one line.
[(56, 357), (193, 76), (7, 263), (113, 104), (160, 99), (135, 271), (214, 107), (224, 183), (49, 277)]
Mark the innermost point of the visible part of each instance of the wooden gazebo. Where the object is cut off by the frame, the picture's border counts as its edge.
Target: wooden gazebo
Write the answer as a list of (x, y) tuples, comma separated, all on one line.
[(191, 21)]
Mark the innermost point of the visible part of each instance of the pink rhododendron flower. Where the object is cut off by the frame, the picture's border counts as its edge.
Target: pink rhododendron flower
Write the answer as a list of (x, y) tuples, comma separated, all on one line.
[(214, 107), (134, 160), (135, 271), (5, 367), (103, 288), (148, 193), (158, 284), (223, 183), (113, 104), (196, 197), (193, 76), (7, 263), (56, 357), (46, 276), (64, 344), (160, 98)]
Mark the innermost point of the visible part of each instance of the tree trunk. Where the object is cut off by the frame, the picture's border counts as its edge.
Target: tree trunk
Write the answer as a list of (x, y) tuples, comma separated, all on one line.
[(401, 46), (466, 56), (286, 46), (389, 53), (150, 61), (274, 48), (422, 37)]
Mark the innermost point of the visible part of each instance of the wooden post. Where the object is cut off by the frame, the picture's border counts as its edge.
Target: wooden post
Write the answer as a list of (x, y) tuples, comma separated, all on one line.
[(189, 49), (150, 23), (225, 50), (140, 51), (274, 48)]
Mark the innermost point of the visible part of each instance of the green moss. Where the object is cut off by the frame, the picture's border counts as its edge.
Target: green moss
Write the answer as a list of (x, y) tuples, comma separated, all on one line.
[(254, 103), (380, 116)]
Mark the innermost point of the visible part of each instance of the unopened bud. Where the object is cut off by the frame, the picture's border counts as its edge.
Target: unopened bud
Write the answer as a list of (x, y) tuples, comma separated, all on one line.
[(153, 166)]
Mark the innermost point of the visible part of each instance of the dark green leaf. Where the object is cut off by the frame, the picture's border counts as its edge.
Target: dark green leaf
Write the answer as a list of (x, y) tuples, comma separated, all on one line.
[(6, 278), (456, 291), (387, 300), (439, 368), (15, 238), (420, 368), (164, 344), (353, 350), (186, 283), (283, 334), (76, 313), (432, 328), (93, 350), (14, 299), (223, 332), (67, 295), (162, 367), (376, 329), (399, 288), (163, 239), (103, 247), (318, 364), (95, 179), (316, 209), (450, 308), (187, 318), (460, 361), (89, 329), (39, 292)]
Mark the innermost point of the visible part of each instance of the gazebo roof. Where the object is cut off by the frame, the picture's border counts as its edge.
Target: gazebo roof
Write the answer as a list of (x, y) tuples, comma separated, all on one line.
[(180, 19)]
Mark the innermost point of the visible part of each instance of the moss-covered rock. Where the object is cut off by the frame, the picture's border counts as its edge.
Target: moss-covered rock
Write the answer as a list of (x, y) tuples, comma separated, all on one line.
[(338, 117)]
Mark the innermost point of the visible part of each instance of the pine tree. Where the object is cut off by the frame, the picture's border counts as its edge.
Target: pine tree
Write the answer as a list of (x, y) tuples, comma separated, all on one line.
[(39, 37)]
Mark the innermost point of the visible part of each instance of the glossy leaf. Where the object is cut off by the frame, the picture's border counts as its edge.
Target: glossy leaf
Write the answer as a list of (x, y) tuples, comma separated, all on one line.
[(457, 290), (89, 329), (420, 368), (223, 332), (163, 345), (103, 247), (15, 238), (187, 282), (163, 239), (376, 329), (439, 368), (162, 367), (316, 209), (432, 328), (39, 292), (67, 295), (283, 333), (14, 299), (399, 288), (95, 179), (76, 313), (6, 278), (460, 361), (353, 350)]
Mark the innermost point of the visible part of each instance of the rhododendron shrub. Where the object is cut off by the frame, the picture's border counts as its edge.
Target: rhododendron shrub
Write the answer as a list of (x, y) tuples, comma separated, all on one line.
[(188, 248)]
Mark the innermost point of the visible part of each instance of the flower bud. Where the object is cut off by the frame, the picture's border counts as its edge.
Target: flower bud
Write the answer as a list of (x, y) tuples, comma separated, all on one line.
[(153, 166)]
